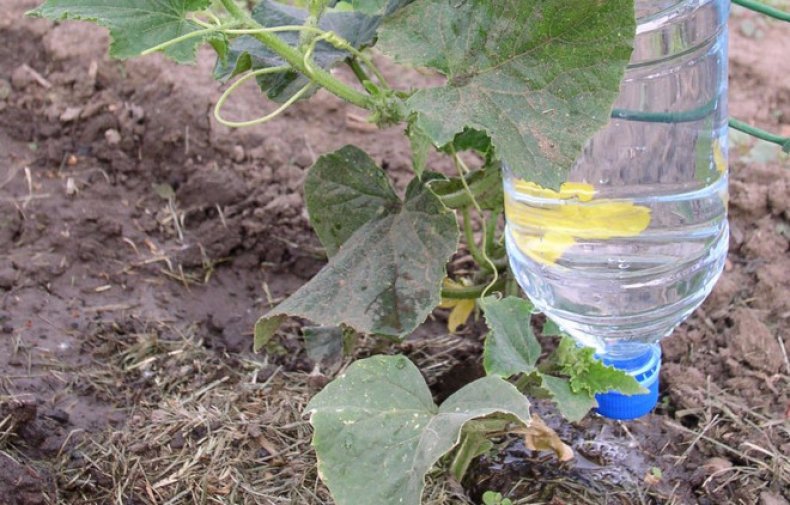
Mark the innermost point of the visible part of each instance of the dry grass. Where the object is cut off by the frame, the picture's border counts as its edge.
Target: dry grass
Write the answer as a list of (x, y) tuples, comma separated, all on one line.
[(210, 428), (227, 442), (206, 428), (754, 441)]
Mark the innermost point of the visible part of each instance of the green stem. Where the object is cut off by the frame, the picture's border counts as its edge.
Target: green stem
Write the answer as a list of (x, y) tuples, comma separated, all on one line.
[(470, 240), (182, 38), (296, 60), (359, 72), (472, 445), (761, 134), (471, 292), (316, 11), (491, 225), (522, 382), (461, 198), (266, 117), (764, 9), (511, 286)]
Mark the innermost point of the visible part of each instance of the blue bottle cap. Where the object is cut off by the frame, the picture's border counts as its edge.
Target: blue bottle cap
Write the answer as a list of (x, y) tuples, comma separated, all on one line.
[(644, 368)]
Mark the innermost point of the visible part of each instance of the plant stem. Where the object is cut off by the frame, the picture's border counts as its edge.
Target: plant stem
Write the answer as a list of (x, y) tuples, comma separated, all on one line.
[(359, 72), (491, 224), (296, 60), (182, 38), (461, 198), (470, 240), (761, 134), (265, 118), (764, 9), (316, 11), (522, 382), (470, 292)]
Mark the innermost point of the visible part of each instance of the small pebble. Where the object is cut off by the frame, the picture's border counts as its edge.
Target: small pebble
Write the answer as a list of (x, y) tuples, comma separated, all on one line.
[(70, 114), (5, 89), (71, 187), (304, 158), (21, 77), (7, 278), (112, 137), (238, 154)]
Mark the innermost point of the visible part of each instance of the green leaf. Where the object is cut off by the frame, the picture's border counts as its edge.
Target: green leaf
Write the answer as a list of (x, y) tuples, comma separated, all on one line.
[(386, 276), (247, 53), (471, 139), (136, 25), (551, 329), (588, 374), (572, 406), (421, 146), (538, 76), (475, 441), (344, 190), (378, 431), (511, 346), (264, 330), (493, 498), (324, 344), (378, 7)]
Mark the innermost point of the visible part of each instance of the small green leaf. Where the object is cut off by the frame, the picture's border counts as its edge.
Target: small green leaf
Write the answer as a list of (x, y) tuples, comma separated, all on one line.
[(572, 406), (538, 76), (264, 329), (421, 146), (378, 431), (165, 191), (470, 140), (493, 498), (588, 375), (385, 278), (136, 25), (511, 346)]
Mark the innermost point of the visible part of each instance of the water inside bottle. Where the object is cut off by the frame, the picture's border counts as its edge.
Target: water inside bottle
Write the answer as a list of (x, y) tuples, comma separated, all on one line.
[(635, 240)]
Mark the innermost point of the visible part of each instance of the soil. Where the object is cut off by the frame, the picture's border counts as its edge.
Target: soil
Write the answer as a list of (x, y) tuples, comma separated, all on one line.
[(140, 240)]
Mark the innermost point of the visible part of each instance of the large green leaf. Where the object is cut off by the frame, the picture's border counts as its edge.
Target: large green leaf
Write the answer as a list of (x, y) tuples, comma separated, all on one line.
[(135, 25), (378, 7), (511, 347), (344, 190), (247, 53), (386, 276), (378, 431), (324, 344), (539, 76)]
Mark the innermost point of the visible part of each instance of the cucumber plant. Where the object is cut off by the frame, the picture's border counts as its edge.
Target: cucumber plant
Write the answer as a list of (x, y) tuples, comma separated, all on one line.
[(528, 82)]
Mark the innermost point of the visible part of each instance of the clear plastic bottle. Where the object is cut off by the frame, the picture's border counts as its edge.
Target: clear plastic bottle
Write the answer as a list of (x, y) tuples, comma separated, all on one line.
[(637, 237)]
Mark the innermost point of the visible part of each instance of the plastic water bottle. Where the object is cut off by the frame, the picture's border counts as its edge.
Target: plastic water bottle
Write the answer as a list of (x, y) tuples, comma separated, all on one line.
[(637, 237)]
